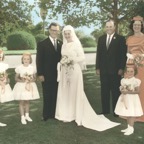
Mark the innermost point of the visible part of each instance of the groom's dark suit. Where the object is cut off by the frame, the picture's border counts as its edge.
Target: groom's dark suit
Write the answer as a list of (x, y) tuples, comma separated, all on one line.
[(46, 61), (109, 61)]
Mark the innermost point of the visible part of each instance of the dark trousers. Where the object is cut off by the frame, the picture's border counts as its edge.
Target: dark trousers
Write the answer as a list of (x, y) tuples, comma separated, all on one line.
[(110, 84), (49, 98)]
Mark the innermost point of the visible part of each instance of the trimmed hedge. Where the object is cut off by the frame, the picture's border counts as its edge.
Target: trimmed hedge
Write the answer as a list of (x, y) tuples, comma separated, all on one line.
[(88, 42), (40, 37), (21, 40)]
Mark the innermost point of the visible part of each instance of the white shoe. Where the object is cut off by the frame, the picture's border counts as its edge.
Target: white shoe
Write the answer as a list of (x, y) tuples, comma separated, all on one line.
[(23, 120), (2, 124), (28, 118), (129, 131), (124, 130)]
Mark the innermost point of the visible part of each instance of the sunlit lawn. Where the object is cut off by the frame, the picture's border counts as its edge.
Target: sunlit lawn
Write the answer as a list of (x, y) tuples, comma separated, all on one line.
[(56, 132)]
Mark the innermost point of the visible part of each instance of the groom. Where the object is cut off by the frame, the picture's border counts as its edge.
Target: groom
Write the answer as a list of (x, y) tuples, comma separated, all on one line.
[(47, 57)]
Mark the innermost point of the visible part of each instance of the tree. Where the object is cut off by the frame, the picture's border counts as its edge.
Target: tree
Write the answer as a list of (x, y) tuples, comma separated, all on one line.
[(96, 33), (84, 12)]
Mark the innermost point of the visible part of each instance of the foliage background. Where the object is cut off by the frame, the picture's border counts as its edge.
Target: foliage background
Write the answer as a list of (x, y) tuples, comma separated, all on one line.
[(16, 15)]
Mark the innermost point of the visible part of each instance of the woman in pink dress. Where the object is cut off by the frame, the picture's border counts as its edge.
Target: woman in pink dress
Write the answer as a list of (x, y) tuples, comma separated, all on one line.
[(135, 54)]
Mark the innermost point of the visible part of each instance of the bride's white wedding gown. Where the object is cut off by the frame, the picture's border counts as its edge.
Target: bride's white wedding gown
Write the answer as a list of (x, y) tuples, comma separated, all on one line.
[(72, 103)]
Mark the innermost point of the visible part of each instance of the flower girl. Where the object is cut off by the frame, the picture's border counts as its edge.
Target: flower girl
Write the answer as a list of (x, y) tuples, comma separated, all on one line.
[(25, 89), (129, 104), (5, 89)]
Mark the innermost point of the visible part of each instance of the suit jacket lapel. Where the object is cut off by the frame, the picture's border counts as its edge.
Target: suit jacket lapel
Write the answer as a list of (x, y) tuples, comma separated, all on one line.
[(104, 40)]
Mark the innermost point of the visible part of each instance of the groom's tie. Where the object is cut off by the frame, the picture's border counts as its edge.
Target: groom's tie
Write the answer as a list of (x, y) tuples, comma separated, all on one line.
[(55, 44)]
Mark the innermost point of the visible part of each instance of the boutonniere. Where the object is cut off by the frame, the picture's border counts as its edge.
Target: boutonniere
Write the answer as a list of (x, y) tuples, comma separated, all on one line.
[(114, 37)]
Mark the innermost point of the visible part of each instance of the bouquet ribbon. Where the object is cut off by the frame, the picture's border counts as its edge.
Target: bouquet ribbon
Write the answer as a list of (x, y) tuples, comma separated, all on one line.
[(129, 57), (29, 87), (3, 87), (58, 70)]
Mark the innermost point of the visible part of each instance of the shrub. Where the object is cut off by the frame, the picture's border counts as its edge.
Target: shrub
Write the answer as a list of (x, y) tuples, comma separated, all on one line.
[(88, 42), (40, 37), (21, 40)]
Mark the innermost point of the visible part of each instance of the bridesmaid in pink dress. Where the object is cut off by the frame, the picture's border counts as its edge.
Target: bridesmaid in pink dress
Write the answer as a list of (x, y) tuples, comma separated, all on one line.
[(135, 54)]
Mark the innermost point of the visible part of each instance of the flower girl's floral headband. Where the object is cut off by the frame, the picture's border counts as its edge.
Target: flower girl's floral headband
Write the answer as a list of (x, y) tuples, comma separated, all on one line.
[(27, 54), (138, 18)]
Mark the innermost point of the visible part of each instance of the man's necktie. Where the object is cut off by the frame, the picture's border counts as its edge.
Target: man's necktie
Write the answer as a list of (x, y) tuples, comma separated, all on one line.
[(108, 42), (55, 44)]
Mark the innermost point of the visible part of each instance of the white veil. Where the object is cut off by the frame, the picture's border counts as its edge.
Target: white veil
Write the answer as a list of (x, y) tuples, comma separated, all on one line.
[(76, 40)]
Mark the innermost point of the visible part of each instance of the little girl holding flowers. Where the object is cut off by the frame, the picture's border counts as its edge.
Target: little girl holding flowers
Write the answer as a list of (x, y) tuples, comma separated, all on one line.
[(5, 89), (129, 104), (25, 89)]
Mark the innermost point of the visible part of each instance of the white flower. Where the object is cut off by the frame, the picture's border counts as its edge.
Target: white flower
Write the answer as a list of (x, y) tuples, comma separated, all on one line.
[(67, 61), (138, 60), (27, 76)]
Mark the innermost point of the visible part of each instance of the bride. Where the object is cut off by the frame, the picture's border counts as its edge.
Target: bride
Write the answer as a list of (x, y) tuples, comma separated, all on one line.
[(72, 103)]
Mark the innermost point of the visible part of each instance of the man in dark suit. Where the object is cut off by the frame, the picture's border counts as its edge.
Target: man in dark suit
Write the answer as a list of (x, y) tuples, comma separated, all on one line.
[(110, 63), (48, 55)]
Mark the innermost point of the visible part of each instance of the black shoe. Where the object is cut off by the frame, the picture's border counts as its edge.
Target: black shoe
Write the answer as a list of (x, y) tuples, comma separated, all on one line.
[(115, 115), (103, 113), (44, 119)]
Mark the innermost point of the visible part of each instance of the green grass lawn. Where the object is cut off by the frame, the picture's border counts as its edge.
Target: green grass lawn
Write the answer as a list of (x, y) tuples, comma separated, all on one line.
[(56, 132)]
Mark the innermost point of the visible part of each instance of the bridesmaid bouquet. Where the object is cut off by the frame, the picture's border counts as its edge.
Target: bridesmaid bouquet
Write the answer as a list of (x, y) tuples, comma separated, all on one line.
[(2, 76), (125, 87), (139, 60), (27, 77), (2, 81)]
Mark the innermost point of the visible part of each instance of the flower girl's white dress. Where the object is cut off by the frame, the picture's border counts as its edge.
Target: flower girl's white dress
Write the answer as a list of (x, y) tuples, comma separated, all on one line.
[(72, 103), (129, 104), (6, 91), (22, 90)]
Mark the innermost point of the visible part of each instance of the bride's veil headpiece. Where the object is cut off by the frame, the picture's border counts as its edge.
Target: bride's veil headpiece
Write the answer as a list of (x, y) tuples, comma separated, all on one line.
[(75, 40), (73, 34)]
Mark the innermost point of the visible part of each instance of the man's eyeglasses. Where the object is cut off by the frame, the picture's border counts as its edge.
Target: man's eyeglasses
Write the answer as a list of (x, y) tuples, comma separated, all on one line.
[(54, 30)]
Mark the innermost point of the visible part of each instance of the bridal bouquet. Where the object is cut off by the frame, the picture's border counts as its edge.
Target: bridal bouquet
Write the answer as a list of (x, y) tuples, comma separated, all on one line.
[(139, 60), (66, 61)]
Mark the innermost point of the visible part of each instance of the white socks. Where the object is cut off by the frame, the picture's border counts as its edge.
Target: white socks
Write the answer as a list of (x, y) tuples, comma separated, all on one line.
[(24, 118), (124, 130), (128, 131), (27, 117)]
